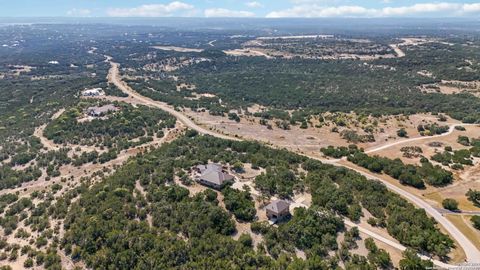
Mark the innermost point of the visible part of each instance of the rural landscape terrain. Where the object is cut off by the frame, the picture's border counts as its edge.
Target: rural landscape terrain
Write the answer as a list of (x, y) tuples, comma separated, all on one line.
[(255, 145)]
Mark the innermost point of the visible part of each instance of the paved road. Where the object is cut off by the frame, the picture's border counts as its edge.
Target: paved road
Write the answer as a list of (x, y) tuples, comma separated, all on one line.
[(114, 77), (460, 212), (394, 244), (472, 253)]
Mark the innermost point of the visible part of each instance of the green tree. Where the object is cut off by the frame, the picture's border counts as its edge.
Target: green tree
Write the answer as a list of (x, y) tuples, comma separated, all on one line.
[(411, 261), (238, 167), (402, 133), (476, 222), (28, 263), (450, 204), (474, 196)]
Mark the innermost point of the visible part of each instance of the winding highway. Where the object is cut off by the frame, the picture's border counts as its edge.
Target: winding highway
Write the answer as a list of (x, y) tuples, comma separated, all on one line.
[(472, 253)]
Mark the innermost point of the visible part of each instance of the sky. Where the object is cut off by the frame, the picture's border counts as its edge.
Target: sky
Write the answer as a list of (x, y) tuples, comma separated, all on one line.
[(241, 8)]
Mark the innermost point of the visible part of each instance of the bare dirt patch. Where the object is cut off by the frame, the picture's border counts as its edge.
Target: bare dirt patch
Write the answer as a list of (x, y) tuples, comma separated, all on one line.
[(464, 180), (312, 139), (185, 86), (248, 52), (197, 96), (464, 224), (397, 50), (452, 87), (177, 49)]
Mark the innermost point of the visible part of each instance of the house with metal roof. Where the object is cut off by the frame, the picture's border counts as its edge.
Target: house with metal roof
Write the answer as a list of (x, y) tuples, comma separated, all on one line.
[(278, 210), (213, 175)]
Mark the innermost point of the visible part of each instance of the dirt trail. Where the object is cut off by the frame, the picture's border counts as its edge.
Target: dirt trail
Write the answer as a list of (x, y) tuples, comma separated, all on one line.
[(67, 262), (388, 145), (397, 50), (472, 253), (86, 169), (39, 133), (450, 130), (50, 145)]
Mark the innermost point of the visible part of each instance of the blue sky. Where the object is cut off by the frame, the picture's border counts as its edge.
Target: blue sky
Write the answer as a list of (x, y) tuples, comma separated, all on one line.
[(239, 8)]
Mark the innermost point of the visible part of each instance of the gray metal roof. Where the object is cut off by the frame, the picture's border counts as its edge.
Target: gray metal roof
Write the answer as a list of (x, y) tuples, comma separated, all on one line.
[(215, 177), (278, 206), (210, 167)]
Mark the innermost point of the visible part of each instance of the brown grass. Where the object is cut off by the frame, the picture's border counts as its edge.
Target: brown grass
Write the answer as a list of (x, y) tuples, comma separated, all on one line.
[(462, 222)]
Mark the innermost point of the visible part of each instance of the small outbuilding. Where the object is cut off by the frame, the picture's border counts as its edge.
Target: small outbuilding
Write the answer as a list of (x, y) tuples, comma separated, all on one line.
[(210, 166), (278, 210)]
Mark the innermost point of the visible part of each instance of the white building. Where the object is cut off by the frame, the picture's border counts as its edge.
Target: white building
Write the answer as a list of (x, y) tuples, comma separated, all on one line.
[(94, 92)]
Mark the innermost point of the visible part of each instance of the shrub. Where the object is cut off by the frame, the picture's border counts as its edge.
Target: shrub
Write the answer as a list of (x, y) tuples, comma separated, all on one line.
[(450, 204), (402, 133), (246, 240), (474, 196), (28, 263), (476, 222)]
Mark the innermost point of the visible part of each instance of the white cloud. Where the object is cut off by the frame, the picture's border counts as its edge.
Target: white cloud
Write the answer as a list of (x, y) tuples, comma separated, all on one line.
[(469, 8), (254, 4), (419, 8), (153, 10), (320, 11), (297, 2), (319, 2), (315, 10), (79, 12), (221, 12)]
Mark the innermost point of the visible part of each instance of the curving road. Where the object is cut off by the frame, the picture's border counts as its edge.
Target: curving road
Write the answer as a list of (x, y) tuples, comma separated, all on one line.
[(394, 244), (450, 130), (50, 145), (115, 78), (472, 253)]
